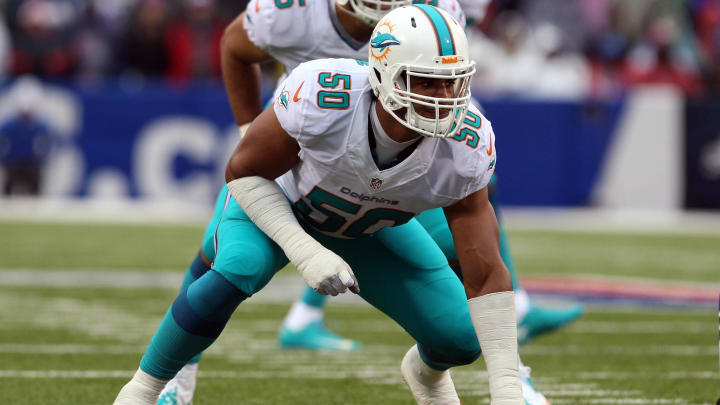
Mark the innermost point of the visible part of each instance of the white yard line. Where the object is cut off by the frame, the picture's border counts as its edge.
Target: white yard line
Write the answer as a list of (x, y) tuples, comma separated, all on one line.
[(171, 279), (196, 213), (617, 350), (469, 383), (638, 327), (282, 288)]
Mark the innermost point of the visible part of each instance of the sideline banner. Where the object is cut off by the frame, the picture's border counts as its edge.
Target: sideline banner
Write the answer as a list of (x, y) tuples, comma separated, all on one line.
[(702, 154), (155, 141)]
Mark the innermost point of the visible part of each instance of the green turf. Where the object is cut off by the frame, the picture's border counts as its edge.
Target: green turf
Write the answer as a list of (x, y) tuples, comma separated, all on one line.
[(79, 345), (608, 355), (93, 246), (97, 246), (663, 256)]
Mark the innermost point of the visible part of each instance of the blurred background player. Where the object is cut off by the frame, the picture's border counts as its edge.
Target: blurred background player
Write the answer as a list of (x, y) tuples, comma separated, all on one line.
[(390, 129), (474, 10), (25, 140), (4, 48)]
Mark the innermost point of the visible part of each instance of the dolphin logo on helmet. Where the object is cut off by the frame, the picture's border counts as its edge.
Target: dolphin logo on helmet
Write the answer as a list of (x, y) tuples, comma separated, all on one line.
[(383, 40)]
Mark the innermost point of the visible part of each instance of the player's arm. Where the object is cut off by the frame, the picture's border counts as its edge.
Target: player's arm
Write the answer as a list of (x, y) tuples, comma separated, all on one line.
[(266, 152), (241, 72), (475, 232), (489, 289)]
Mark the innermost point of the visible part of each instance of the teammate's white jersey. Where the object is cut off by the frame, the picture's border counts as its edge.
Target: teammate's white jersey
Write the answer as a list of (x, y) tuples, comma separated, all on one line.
[(336, 185), (296, 31), (475, 9)]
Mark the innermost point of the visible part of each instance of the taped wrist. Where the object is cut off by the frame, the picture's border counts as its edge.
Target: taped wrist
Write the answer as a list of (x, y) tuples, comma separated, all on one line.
[(493, 316), (264, 202)]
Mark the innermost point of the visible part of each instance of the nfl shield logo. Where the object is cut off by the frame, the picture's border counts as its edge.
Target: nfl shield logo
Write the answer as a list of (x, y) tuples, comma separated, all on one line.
[(375, 183)]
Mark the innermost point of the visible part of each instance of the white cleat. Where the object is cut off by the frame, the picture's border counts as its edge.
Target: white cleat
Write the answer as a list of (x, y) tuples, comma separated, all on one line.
[(530, 396), (143, 389), (428, 386), (180, 390)]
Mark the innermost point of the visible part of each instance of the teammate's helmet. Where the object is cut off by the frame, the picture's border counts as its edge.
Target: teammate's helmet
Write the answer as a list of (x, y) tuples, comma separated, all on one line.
[(371, 11), (415, 43)]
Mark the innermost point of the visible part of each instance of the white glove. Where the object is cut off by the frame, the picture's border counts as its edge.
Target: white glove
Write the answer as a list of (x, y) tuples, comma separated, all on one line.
[(327, 273), (264, 202)]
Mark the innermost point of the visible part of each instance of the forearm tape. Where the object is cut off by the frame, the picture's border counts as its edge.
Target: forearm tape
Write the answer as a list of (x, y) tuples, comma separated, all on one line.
[(493, 316), (264, 202)]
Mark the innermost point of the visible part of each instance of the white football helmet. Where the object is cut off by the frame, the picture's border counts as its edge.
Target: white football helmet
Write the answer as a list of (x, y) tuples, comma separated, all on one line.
[(409, 45), (371, 11)]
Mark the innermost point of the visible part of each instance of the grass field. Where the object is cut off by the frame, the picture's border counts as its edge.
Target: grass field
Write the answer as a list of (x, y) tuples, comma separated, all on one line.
[(67, 338)]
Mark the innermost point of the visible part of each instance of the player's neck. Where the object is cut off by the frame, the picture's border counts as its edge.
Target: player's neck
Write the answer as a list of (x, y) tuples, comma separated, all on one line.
[(395, 130), (358, 30)]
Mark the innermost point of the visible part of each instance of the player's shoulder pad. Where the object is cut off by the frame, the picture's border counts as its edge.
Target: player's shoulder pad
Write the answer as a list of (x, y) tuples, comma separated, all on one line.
[(474, 151), (318, 97), (452, 7), (278, 23)]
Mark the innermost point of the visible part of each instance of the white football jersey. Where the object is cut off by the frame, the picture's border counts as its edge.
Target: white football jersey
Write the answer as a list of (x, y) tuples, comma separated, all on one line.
[(336, 185), (296, 31), (475, 9)]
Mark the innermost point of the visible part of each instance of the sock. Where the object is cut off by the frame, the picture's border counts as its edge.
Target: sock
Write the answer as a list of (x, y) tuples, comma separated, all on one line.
[(301, 315), (142, 389), (522, 304), (195, 320), (196, 270), (314, 299), (427, 384), (425, 374)]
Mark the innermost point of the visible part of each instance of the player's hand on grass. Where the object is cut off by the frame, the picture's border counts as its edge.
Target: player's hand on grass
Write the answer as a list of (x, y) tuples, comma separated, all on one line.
[(328, 274)]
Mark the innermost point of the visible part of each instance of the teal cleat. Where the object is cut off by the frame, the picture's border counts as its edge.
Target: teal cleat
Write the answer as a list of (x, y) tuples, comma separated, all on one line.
[(539, 320), (168, 397), (316, 337), (530, 394), (181, 389)]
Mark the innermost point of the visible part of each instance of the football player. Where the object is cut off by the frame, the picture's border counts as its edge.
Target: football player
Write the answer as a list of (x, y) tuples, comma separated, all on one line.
[(357, 152), (290, 32)]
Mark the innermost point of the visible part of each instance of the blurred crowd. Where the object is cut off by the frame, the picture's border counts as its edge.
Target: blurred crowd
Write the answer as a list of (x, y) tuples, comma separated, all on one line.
[(93, 39), (598, 48), (531, 48)]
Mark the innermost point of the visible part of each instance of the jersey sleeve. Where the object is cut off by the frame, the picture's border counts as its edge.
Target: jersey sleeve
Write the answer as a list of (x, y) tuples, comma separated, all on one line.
[(290, 102), (487, 159), (475, 9), (314, 102), (276, 23)]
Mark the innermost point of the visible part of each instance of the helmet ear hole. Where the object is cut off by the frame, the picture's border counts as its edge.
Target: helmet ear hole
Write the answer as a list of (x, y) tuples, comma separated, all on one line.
[(401, 78), (378, 75)]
